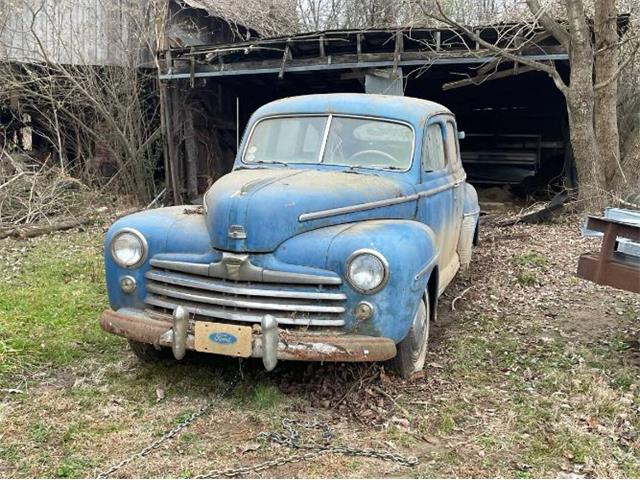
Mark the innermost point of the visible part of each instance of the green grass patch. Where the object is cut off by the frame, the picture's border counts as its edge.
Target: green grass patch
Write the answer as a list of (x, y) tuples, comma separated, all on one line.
[(258, 394), (49, 310), (72, 467), (529, 259), (527, 279)]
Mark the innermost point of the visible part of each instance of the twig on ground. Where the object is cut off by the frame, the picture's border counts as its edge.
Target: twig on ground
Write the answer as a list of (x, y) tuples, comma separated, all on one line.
[(393, 400), (453, 303)]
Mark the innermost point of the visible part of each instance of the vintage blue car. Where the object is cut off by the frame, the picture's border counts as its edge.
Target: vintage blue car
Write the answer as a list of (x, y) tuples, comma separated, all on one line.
[(343, 220)]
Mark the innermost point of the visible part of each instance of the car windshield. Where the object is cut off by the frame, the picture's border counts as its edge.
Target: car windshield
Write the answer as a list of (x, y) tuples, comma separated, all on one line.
[(335, 140)]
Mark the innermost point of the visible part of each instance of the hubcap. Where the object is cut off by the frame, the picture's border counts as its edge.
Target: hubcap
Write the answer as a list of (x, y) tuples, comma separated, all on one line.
[(418, 327)]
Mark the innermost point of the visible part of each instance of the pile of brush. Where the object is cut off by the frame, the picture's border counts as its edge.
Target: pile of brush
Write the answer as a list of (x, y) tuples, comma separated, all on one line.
[(37, 198)]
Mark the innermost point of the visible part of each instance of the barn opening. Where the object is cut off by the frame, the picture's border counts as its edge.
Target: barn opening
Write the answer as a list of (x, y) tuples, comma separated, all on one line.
[(514, 118)]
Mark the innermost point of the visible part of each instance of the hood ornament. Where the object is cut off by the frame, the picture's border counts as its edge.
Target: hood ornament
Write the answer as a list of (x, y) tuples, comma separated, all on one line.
[(237, 232)]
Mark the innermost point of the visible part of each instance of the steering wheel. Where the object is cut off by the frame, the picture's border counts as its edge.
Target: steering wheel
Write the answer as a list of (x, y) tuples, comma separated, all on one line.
[(380, 153)]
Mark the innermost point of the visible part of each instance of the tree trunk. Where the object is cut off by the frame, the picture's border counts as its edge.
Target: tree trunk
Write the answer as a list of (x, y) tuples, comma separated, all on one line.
[(585, 150), (580, 107), (606, 97)]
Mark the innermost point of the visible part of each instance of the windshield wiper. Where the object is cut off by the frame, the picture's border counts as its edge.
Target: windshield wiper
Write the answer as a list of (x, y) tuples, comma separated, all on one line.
[(351, 169), (386, 167), (278, 162)]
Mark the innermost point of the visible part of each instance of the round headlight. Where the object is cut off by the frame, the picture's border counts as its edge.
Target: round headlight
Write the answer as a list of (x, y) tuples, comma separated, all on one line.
[(367, 271), (128, 248)]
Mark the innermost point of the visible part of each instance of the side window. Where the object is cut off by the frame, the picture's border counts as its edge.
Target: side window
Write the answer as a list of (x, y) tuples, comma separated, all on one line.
[(452, 147), (433, 156)]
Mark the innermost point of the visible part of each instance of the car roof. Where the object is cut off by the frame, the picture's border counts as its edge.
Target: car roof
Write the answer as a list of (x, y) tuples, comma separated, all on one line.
[(413, 110)]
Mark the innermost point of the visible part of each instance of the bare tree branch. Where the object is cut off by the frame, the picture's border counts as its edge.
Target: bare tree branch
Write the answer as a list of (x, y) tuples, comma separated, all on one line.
[(549, 23), (442, 16)]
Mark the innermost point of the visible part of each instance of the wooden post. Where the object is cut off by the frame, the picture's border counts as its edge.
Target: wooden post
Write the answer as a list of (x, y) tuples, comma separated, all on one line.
[(177, 112), (285, 56), (191, 154), (171, 146)]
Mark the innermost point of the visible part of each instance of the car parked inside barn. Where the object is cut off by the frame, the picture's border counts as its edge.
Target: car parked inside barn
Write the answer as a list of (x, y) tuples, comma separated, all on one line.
[(344, 219)]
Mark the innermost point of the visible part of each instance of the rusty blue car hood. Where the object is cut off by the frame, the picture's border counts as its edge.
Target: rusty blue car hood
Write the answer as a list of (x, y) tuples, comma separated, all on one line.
[(264, 204)]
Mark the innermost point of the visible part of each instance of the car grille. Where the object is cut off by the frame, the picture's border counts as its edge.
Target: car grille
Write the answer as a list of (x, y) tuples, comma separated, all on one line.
[(295, 299)]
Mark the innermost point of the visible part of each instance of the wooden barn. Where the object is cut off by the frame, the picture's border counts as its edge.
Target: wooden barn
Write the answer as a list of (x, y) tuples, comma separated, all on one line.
[(514, 117)]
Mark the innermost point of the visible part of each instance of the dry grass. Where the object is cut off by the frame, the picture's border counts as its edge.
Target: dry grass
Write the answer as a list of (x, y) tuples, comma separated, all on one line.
[(523, 381)]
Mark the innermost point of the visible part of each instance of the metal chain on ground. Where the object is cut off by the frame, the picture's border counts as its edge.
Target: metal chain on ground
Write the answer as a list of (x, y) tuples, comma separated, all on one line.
[(292, 440), (170, 434)]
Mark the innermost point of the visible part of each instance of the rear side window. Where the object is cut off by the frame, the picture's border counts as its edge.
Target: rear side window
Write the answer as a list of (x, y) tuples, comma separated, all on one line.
[(452, 146), (433, 156)]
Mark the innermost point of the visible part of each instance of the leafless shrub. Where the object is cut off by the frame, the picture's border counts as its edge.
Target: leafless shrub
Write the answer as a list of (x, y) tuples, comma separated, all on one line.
[(92, 108)]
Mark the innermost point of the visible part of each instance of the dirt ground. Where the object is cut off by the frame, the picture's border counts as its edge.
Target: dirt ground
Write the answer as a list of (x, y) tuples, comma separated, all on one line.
[(532, 372)]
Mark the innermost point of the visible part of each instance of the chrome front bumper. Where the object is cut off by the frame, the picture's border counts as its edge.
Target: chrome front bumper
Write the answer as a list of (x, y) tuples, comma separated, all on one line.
[(269, 342)]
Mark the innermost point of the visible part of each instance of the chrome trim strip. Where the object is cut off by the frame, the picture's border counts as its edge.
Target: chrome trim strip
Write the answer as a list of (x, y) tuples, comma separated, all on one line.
[(425, 269), (433, 191), (263, 304), (239, 316), (217, 286), (325, 136), (186, 267), (359, 207), (234, 266), (305, 217), (470, 214)]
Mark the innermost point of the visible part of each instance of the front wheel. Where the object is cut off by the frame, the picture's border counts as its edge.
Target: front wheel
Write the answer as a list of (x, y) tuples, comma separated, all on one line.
[(412, 351)]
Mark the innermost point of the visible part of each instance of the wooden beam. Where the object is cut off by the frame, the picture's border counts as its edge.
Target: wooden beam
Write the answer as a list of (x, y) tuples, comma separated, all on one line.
[(399, 48), (486, 77), (285, 57), (409, 58), (192, 71)]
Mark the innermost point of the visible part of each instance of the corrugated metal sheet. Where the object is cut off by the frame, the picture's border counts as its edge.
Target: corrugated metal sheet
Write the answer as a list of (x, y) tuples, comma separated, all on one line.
[(79, 32)]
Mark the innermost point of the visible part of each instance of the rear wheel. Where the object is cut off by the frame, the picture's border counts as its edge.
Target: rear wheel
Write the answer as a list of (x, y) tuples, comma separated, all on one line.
[(147, 353), (412, 351)]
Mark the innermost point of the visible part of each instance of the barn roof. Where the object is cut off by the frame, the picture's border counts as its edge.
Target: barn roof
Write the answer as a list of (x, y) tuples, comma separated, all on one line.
[(362, 49), (265, 17)]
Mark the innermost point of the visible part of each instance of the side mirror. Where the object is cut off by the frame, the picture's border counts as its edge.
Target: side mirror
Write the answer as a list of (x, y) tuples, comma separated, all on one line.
[(461, 135)]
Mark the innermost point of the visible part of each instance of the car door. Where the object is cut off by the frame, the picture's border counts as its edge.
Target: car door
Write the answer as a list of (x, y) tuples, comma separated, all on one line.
[(436, 191)]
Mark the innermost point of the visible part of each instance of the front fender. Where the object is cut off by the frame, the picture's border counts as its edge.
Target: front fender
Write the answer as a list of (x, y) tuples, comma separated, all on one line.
[(167, 230), (410, 250)]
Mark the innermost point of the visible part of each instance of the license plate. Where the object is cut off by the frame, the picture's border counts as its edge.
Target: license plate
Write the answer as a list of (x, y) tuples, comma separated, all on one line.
[(223, 339)]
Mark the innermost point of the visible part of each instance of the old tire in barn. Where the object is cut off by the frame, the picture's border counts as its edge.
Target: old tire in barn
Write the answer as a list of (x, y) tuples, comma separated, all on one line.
[(412, 351), (147, 353)]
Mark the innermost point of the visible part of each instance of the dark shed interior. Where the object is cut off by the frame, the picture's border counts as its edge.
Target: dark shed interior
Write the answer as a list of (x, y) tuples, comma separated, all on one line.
[(514, 118)]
